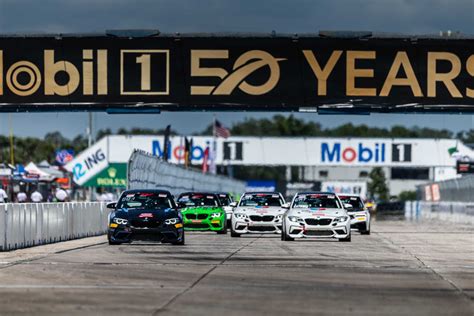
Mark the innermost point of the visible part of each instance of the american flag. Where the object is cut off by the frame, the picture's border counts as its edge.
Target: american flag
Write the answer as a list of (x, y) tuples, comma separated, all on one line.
[(221, 131)]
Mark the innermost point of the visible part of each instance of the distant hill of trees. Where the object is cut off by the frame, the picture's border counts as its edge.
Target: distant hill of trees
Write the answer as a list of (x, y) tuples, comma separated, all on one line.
[(36, 149)]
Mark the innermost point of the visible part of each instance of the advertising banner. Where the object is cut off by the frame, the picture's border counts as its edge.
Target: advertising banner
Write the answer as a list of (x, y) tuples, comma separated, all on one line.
[(252, 72), (290, 151)]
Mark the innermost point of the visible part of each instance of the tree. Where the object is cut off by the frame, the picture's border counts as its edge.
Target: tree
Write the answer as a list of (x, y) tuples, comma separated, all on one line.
[(377, 185), (407, 196)]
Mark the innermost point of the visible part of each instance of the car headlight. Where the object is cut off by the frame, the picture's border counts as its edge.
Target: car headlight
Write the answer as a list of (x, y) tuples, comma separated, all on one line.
[(214, 215), (240, 215), (341, 219), (171, 221), (295, 219), (120, 221)]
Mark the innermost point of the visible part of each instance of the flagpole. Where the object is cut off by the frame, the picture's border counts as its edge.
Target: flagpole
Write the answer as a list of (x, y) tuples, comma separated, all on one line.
[(214, 145), (12, 154)]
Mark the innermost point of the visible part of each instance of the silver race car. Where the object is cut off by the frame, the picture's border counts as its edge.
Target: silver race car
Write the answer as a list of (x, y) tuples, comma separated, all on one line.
[(359, 214), (316, 215), (258, 212)]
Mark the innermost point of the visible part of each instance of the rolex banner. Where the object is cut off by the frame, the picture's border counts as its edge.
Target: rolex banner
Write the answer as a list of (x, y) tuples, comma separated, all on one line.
[(235, 73)]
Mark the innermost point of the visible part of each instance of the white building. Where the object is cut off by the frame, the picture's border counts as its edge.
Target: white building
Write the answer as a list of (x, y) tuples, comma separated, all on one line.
[(407, 162)]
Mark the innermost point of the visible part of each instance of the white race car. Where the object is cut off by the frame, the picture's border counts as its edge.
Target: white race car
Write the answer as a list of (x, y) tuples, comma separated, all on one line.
[(227, 202), (316, 215), (258, 212), (359, 214)]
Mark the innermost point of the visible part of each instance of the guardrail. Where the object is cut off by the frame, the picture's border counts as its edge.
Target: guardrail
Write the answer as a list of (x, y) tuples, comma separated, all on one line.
[(454, 212), (150, 172), (30, 224)]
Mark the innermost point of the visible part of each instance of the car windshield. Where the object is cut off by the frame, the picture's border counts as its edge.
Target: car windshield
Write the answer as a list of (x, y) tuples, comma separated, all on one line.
[(145, 200), (316, 201), (355, 201), (225, 199), (261, 200), (196, 200)]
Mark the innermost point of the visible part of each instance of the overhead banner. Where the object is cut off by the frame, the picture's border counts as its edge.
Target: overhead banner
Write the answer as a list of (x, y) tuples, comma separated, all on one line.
[(185, 72)]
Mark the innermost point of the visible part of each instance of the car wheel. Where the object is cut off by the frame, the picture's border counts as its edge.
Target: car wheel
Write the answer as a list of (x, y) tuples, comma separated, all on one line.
[(233, 233), (347, 239), (224, 230), (111, 242), (365, 231), (179, 242), (284, 235)]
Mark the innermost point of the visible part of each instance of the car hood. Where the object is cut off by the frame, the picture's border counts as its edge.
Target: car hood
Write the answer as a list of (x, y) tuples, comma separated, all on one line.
[(310, 212), (202, 209), (138, 213), (269, 210)]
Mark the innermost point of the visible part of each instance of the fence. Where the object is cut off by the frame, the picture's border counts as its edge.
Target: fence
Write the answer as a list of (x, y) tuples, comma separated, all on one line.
[(31, 224), (455, 190), (149, 172)]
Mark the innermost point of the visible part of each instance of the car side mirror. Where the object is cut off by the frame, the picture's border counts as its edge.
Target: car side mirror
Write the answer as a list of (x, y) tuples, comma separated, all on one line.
[(348, 206), (233, 204), (286, 206), (112, 205)]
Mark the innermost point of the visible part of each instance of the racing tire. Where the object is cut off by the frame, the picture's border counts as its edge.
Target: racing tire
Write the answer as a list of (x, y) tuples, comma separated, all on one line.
[(113, 243), (347, 239), (233, 233), (224, 230), (178, 242), (284, 235), (365, 231)]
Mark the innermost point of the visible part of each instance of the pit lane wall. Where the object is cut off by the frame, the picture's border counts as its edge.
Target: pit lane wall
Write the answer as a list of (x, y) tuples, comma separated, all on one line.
[(453, 212), (146, 171), (31, 224), (454, 190)]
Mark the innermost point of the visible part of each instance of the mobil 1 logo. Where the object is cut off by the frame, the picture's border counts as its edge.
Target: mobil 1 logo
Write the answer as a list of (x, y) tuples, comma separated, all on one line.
[(401, 152), (233, 151), (144, 72)]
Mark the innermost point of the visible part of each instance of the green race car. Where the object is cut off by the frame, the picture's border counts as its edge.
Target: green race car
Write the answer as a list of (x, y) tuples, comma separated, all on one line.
[(202, 211)]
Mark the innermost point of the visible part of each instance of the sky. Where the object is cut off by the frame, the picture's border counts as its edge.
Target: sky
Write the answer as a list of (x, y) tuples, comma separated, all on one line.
[(283, 16)]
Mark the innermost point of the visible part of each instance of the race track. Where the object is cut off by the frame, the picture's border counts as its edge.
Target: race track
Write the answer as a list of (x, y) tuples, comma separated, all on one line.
[(401, 269)]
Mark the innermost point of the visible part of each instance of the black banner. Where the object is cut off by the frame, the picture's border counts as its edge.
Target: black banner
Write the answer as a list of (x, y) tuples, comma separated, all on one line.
[(285, 73), (465, 166)]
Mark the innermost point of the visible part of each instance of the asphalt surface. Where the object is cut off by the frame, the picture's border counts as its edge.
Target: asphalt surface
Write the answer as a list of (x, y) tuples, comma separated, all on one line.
[(402, 268)]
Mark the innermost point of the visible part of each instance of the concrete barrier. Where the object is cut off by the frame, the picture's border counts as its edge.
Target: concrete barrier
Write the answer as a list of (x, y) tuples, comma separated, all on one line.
[(454, 212), (146, 171), (30, 224)]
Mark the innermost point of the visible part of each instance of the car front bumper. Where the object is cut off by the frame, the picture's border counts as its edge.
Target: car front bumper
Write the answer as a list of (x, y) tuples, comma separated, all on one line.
[(214, 224), (248, 226), (128, 234), (340, 230)]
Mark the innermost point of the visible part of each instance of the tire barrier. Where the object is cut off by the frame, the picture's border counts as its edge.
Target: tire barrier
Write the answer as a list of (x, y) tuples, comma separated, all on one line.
[(454, 212), (31, 224), (150, 172)]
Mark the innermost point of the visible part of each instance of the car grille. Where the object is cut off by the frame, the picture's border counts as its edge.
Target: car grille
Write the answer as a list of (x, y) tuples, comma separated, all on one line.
[(139, 223), (196, 216), (198, 226), (262, 228), (319, 233), (322, 222), (263, 218)]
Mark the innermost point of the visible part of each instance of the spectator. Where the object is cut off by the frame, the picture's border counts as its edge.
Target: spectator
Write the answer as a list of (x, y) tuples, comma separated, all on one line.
[(3, 195), (21, 197), (61, 195), (36, 197)]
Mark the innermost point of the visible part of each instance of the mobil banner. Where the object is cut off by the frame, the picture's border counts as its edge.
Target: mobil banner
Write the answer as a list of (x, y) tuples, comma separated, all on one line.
[(279, 151)]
